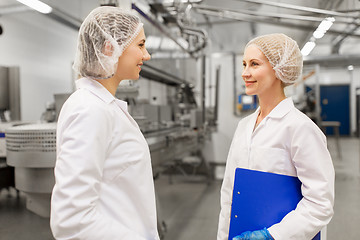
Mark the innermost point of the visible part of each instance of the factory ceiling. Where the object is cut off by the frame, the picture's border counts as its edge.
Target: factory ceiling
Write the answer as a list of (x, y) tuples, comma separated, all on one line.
[(225, 25)]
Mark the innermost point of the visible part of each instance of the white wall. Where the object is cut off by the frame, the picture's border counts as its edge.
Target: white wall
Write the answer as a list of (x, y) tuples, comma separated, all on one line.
[(44, 51)]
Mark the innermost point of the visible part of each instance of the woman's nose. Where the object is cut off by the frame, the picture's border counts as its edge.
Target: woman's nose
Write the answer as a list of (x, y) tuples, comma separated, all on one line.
[(245, 73), (146, 56)]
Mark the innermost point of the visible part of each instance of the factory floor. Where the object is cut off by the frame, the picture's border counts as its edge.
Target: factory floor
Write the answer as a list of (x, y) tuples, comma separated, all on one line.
[(190, 207)]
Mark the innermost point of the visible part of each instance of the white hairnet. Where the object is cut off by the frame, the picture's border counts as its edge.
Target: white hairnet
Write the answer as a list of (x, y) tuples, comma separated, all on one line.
[(283, 54), (103, 36)]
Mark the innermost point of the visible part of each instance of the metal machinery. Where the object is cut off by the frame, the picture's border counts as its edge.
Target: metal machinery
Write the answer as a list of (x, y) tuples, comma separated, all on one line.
[(27, 151), (175, 131), (172, 131), (31, 149)]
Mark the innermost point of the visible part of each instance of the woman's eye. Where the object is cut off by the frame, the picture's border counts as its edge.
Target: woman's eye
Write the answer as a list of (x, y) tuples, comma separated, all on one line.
[(141, 45), (254, 63)]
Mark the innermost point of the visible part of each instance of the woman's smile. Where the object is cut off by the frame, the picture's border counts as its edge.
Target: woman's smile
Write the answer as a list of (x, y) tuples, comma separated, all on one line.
[(249, 83)]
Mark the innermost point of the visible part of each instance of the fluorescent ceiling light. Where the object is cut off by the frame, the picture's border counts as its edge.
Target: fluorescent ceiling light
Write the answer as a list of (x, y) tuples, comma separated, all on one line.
[(323, 27), (318, 34), (326, 23), (309, 46), (37, 5)]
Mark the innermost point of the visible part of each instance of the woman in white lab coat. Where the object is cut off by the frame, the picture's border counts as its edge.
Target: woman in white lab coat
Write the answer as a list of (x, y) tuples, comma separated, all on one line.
[(278, 138), (104, 185)]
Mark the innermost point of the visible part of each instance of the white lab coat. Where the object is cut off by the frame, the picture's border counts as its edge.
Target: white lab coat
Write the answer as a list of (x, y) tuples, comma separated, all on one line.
[(104, 184), (285, 142)]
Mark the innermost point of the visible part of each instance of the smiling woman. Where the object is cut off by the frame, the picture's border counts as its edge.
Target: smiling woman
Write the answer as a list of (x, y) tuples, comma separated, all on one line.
[(259, 75), (278, 138), (130, 62), (104, 185)]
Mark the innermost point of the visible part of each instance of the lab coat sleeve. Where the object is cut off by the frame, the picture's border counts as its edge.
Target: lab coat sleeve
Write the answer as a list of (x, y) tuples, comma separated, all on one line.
[(84, 133), (226, 194), (316, 172), (225, 200)]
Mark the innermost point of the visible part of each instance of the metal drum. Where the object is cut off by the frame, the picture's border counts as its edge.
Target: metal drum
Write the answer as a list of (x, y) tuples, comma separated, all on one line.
[(31, 149)]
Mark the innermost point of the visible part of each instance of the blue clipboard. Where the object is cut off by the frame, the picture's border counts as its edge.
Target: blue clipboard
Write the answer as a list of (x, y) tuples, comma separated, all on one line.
[(261, 199)]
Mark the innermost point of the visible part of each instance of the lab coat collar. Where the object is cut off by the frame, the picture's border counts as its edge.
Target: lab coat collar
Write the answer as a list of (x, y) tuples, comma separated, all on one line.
[(100, 91), (122, 104), (282, 108), (278, 112), (96, 88)]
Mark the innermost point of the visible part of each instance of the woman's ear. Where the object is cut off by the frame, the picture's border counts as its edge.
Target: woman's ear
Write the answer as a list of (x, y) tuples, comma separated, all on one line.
[(108, 49)]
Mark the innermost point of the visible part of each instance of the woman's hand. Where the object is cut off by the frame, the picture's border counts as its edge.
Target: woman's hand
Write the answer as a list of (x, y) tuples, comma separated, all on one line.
[(255, 235)]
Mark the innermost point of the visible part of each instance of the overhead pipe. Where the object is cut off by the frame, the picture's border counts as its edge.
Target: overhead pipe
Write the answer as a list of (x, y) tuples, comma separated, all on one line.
[(200, 33), (258, 19), (156, 24), (343, 14), (301, 8), (333, 60), (336, 43), (65, 19), (271, 15)]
